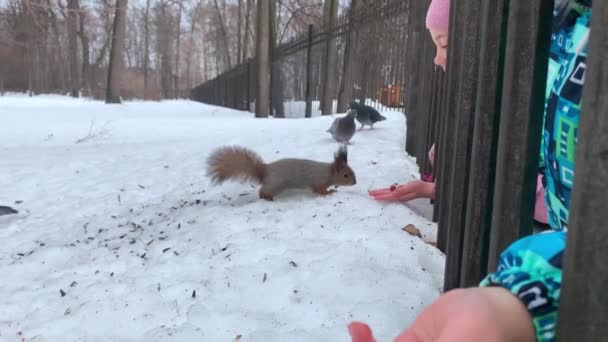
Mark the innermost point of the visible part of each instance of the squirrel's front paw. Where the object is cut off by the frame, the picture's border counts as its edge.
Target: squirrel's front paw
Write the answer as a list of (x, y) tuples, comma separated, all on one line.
[(323, 191), (266, 197)]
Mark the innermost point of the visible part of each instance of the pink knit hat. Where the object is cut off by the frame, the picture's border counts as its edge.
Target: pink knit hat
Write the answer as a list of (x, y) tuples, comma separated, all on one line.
[(438, 15)]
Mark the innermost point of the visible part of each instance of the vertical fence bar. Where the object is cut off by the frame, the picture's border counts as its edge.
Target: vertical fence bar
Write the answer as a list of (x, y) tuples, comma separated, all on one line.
[(248, 86), (423, 109), (445, 142), (523, 98), (414, 51), (309, 73), (584, 299), (468, 12), (485, 135), (439, 116)]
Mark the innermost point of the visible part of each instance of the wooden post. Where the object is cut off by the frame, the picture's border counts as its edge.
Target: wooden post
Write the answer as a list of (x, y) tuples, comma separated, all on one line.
[(309, 73), (583, 302), (262, 104), (523, 99), (485, 141)]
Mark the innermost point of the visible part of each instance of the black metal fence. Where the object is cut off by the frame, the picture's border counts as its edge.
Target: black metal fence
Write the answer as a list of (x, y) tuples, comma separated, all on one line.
[(362, 56), (484, 115)]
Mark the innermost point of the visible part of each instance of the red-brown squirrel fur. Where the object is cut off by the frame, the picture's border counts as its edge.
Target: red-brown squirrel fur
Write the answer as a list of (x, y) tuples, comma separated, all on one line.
[(241, 164)]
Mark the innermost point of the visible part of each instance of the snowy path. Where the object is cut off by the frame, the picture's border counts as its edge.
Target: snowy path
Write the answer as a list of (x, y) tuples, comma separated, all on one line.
[(121, 237)]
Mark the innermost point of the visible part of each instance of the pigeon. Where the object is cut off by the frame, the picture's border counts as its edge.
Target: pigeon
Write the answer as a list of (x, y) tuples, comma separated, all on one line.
[(4, 210), (366, 115), (343, 129)]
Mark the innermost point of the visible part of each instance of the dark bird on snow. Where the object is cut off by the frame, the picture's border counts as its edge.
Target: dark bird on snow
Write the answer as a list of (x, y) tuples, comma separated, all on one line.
[(343, 129), (4, 210), (366, 115)]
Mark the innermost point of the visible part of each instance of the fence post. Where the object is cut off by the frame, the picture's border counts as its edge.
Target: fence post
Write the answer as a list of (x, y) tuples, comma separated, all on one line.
[(248, 87), (485, 139), (467, 33), (414, 51), (583, 302), (444, 147), (523, 99), (412, 92), (309, 73)]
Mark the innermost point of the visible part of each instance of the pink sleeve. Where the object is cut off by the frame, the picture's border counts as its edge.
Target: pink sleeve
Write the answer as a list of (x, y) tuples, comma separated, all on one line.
[(540, 207)]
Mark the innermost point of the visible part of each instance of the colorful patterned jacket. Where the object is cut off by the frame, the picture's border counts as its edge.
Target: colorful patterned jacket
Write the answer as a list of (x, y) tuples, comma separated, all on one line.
[(531, 268)]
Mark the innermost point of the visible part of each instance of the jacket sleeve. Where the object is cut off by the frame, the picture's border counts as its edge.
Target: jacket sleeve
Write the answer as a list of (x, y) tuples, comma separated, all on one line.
[(531, 269)]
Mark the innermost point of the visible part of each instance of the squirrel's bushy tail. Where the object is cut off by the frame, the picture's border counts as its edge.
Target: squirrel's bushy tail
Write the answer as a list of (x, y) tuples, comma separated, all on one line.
[(235, 163)]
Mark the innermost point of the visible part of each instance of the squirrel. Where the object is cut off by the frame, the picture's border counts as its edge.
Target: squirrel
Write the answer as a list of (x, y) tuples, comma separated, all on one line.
[(241, 164)]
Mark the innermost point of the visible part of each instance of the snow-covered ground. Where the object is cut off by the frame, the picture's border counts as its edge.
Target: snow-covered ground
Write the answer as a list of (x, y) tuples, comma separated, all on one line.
[(120, 236)]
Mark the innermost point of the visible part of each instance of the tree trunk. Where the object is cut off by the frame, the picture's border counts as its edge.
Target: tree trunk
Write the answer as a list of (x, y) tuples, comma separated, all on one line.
[(57, 50), (163, 48), (146, 45), (224, 36), (176, 78), (246, 36), (276, 79), (84, 42), (263, 60), (328, 64), (345, 92), (193, 21), (73, 47), (239, 30), (115, 66)]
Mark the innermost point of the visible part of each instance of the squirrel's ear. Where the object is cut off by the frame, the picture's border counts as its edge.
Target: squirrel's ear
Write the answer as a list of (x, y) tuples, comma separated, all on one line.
[(341, 157)]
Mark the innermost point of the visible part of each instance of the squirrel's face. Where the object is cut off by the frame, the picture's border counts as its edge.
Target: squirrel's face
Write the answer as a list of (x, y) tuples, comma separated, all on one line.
[(345, 176), (342, 174)]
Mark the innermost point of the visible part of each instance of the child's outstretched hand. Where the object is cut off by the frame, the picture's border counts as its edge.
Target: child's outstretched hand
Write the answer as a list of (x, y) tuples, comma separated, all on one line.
[(405, 192), (489, 314)]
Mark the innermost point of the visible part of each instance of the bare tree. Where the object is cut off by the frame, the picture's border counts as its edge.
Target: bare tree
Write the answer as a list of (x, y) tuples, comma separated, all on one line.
[(246, 34), (239, 36), (73, 47), (163, 46), (116, 52), (223, 36), (179, 21), (263, 58), (86, 53), (146, 44), (328, 65), (276, 78)]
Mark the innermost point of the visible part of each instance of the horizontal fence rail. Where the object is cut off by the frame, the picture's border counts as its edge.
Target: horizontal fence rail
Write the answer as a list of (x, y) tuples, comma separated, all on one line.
[(361, 56)]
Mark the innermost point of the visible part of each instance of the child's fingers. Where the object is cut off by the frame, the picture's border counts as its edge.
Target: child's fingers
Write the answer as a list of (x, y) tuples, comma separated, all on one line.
[(386, 197), (378, 191), (408, 336), (360, 332), (407, 196)]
